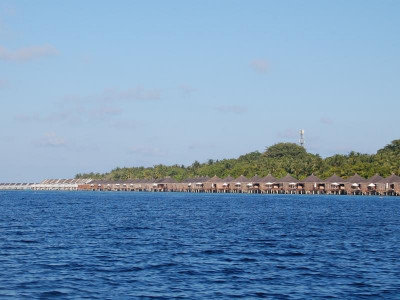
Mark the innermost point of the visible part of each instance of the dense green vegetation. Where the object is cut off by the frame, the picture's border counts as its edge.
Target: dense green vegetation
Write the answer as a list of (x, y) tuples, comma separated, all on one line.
[(278, 160)]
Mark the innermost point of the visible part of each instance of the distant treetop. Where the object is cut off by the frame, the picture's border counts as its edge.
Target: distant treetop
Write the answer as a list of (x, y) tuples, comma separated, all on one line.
[(285, 149)]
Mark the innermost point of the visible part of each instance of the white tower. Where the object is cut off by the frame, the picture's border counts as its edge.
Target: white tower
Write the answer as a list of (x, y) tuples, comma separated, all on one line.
[(302, 141)]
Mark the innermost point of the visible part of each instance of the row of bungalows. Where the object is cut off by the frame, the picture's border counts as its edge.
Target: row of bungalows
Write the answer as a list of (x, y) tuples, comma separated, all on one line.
[(59, 184), (123, 185), (355, 185), (16, 186)]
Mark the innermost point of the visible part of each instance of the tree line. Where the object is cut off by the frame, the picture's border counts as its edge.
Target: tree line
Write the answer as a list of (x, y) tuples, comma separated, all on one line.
[(278, 160)]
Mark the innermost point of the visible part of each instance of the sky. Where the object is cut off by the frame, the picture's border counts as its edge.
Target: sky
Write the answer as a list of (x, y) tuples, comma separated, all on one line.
[(93, 85)]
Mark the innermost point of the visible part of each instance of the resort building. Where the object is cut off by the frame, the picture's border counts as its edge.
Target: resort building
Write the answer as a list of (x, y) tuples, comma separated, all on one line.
[(269, 184), (355, 185), (335, 185), (369, 186), (313, 185)]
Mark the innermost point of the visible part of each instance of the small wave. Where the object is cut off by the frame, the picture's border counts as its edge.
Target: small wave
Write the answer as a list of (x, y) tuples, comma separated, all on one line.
[(52, 294), (292, 253), (230, 271), (28, 241), (188, 272), (129, 269), (164, 265), (210, 252), (246, 259)]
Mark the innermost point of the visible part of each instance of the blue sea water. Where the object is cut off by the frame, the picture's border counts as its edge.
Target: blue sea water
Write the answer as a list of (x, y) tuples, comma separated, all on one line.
[(106, 245)]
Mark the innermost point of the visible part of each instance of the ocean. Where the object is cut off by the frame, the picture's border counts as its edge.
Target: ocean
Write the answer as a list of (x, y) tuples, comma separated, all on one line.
[(128, 245)]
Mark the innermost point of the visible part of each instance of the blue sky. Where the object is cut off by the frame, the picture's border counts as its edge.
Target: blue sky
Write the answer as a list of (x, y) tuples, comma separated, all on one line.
[(92, 85)]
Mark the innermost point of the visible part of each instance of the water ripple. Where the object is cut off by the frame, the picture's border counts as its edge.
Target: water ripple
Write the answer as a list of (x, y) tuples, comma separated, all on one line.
[(198, 246)]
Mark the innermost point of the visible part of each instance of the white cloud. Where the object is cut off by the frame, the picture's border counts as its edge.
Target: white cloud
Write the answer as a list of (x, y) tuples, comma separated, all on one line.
[(260, 66), (27, 53), (51, 140)]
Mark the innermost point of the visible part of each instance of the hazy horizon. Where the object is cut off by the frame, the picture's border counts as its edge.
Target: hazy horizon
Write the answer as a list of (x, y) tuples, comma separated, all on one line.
[(90, 86)]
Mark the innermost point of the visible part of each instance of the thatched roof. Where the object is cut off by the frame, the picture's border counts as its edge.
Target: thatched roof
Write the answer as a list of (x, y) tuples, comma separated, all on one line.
[(374, 179), (241, 179), (228, 179), (335, 178), (188, 180), (391, 179), (147, 181), (214, 179), (167, 180), (196, 179), (268, 178), (356, 179), (255, 179), (288, 178), (312, 178)]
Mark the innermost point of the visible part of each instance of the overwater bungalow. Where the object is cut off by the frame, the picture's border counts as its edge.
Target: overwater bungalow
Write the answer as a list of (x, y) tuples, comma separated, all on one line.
[(95, 185), (210, 186), (313, 185), (224, 186), (131, 184), (254, 185), (148, 184), (369, 186), (335, 185), (185, 185), (238, 185), (288, 184), (269, 184), (116, 186), (198, 184), (167, 184), (139, 184), (389, 186), (353, 184)]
